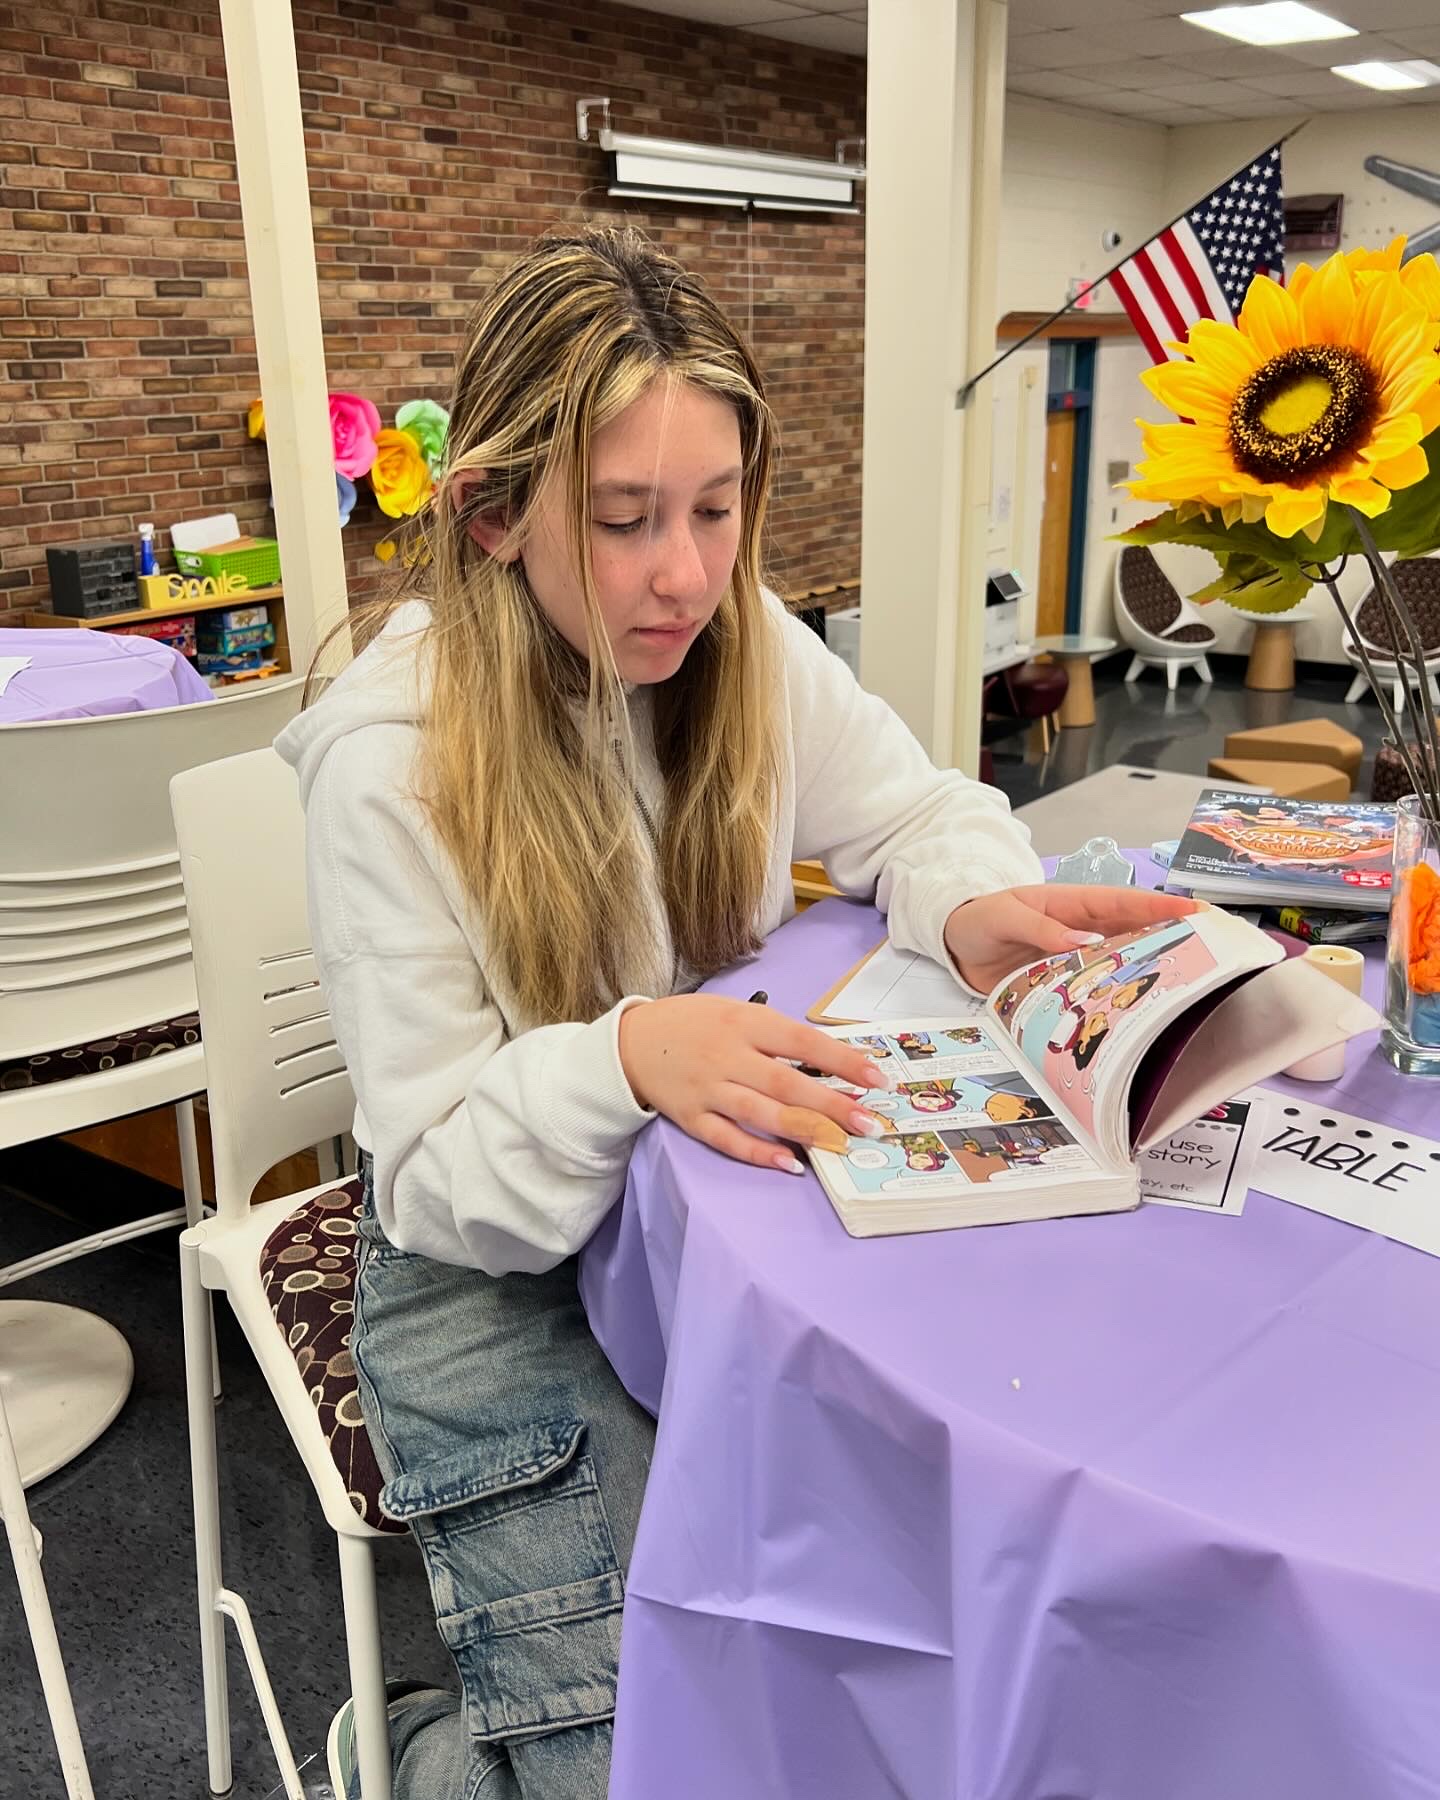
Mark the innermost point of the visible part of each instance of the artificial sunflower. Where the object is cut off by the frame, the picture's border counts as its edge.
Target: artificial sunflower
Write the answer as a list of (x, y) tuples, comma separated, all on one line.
[(1323, 392), (1420, 277)]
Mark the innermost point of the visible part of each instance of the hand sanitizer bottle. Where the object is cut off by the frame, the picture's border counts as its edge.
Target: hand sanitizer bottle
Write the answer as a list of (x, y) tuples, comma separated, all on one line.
[(147, 549)]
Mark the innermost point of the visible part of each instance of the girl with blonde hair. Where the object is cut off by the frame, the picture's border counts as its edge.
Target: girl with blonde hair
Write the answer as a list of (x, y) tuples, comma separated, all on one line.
[(562, 785)]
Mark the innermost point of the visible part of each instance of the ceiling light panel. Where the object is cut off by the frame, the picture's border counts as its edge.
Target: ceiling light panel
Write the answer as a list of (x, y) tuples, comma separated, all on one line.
[(1277, 22)]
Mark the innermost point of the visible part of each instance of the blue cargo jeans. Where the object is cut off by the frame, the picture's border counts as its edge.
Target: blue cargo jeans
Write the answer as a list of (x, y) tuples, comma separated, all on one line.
[(519, 1461)]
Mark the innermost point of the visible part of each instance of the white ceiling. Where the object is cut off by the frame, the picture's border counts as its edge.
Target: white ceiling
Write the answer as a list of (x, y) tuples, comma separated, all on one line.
[(1138, 58)]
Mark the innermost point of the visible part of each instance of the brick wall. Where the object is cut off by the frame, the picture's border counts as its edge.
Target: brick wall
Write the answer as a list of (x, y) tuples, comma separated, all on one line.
[(440, 139)]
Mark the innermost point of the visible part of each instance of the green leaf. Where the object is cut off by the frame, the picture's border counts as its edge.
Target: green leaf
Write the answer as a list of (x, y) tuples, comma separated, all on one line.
[(1269, 574), (1256, 588)]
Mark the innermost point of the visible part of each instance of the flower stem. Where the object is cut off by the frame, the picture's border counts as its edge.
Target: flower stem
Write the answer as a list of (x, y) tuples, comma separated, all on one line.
[(1416, 774), (1400, 621), (1378, 686)]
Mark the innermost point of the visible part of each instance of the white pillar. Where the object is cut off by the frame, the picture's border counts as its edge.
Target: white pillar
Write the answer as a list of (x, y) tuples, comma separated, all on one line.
[(934, 118), (285, 301)]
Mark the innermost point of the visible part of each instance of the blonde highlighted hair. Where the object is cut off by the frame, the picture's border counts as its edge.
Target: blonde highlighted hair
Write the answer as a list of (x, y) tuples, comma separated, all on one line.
[(526, 766)]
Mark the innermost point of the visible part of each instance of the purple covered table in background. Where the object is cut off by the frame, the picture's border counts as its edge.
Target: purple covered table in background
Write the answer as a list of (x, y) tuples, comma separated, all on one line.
[(1143, 1506), (80, 674)]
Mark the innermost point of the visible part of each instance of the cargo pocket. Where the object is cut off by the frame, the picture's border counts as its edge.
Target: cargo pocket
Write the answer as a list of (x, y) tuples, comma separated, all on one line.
[(523, 1574)]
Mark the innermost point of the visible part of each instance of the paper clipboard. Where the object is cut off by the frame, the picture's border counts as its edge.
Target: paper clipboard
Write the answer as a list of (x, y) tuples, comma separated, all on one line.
[(819, 1013)]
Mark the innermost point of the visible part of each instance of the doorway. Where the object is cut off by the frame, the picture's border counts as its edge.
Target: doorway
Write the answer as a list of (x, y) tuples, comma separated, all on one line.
[(1060, 591)]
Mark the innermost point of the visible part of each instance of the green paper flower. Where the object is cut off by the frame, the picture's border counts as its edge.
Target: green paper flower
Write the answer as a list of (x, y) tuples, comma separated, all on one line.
[(427, 423)]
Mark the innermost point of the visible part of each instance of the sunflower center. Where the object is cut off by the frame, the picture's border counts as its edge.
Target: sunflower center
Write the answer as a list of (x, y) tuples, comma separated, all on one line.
[(1303, 414)]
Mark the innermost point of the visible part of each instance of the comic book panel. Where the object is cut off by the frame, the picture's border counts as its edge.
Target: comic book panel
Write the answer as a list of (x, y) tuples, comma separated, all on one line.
[(912, 1163), (996, 1098), (1074, 1033)]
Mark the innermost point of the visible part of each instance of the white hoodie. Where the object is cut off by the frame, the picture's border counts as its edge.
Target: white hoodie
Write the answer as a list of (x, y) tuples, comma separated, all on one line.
[(500, 1144)]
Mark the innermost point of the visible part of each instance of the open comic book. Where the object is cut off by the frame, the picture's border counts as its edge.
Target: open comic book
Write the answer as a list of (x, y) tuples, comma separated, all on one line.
[(1035, 1104)]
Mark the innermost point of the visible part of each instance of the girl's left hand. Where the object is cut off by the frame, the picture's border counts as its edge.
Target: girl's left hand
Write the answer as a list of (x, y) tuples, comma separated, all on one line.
[(992, 936)]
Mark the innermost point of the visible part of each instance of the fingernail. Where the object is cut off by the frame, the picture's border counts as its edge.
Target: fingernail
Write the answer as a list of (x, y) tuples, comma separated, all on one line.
[(876, 1077), (1085, 939), (863, 1124), (788, 1165)]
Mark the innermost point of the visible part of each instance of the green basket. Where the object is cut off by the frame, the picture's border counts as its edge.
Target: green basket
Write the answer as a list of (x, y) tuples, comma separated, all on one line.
[(259, 562)]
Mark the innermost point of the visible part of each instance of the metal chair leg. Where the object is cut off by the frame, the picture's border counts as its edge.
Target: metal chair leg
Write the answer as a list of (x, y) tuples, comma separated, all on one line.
[(205, 1493), (195, 1207), (367, 1668), (24, 1548)]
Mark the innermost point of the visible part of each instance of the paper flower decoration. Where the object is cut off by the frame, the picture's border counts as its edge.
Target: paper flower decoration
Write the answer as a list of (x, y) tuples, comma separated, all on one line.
[(344, 497), (427, 423), (354, 428), (255, 419), (400, 475), (1320, 394)]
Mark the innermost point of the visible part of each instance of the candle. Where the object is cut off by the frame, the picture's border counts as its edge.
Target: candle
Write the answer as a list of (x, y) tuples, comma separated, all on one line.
[(1338, 963)]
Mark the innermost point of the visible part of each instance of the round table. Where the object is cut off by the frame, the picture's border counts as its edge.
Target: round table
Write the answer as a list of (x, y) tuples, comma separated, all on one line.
[(81, 674), (1271, 668), (1075, 651), (1134, 1505)]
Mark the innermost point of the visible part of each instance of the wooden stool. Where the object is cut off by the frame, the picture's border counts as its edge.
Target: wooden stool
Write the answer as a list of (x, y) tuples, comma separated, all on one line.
[(1272, 657), (1303, 740), (1296, 780)]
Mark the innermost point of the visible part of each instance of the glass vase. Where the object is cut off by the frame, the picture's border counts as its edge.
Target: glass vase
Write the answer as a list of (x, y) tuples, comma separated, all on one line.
[(1411, 1035)]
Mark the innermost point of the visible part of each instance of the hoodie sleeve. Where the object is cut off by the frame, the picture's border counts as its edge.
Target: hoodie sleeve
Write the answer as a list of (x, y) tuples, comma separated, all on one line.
[(498, 1154), (887, 824)]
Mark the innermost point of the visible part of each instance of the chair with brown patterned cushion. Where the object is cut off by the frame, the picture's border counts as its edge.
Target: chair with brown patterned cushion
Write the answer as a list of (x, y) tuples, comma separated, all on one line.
[(1418, 583), (97, 1022), (277, 1085), (1162, 630)]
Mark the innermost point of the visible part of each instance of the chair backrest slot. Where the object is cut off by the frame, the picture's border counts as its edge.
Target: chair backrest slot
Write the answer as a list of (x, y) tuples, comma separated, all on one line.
[(276, 1079)]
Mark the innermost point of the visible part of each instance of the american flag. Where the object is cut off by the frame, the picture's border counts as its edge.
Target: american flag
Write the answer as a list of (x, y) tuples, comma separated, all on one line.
[(1201, 266)]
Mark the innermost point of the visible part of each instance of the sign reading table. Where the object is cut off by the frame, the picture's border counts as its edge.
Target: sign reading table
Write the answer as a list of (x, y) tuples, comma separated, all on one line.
[(1121, 1507)]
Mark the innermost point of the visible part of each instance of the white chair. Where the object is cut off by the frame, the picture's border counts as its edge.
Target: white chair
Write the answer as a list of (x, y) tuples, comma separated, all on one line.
[(1418, 581), (25, 1553), (1161, 629), (276, 1085), (97, 1021)]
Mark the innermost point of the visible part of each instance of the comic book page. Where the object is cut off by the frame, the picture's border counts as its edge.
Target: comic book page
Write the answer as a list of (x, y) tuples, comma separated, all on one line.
[(1083, 1021), (961, 1118)]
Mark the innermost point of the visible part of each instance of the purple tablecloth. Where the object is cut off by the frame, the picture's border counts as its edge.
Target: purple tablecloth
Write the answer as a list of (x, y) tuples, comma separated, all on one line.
[(1143, 1506), (78, 674)]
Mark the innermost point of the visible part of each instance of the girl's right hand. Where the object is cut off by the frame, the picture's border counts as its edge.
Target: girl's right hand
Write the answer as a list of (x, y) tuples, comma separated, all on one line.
[(720, 1069)]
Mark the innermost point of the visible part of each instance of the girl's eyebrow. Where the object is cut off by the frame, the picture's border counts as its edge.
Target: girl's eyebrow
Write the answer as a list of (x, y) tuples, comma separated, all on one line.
[(640, 490)]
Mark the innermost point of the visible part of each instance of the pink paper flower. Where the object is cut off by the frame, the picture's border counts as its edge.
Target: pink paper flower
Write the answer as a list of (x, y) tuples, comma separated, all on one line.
[(354, 423)]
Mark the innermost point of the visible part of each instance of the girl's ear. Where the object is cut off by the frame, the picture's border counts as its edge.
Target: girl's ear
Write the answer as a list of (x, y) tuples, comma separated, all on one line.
[(489, 530)]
